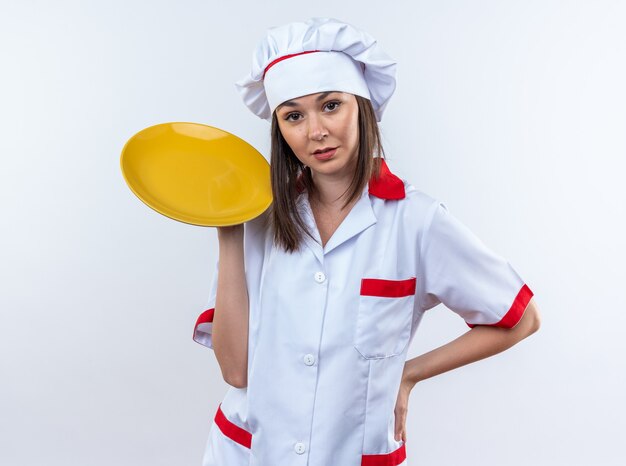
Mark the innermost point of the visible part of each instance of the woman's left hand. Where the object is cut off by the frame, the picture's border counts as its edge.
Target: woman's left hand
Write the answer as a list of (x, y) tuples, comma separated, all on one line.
[(401, 409)]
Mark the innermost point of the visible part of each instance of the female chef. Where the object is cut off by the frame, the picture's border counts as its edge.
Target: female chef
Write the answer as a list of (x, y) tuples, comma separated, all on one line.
[(314, 303)]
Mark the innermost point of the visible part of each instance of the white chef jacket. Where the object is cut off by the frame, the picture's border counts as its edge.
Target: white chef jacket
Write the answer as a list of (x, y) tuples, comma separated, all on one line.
[(329, 327)]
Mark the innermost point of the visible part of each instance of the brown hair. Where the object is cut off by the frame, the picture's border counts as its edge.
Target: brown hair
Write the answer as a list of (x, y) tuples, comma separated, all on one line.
[(289, 175)]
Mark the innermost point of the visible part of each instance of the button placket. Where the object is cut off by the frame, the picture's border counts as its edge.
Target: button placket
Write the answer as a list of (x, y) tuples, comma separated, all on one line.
[(309, 359)]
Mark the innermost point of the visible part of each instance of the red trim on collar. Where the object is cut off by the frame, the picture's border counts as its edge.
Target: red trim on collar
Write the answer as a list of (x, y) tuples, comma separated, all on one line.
[(387, 186)]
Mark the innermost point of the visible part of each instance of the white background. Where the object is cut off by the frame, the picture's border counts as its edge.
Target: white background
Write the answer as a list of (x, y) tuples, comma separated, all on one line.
[(513, 113)]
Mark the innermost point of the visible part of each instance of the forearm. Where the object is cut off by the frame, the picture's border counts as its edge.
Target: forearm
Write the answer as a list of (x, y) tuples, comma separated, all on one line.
[(230, 321), (478, 343)]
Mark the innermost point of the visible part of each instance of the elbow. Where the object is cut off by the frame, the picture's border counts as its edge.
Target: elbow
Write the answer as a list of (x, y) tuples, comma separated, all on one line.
[(536, 324), (233, 363), (236, 380), (532, 317), (234, 372)]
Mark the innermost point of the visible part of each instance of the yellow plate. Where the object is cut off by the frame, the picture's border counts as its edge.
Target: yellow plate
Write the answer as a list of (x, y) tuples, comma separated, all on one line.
[(197, 174)]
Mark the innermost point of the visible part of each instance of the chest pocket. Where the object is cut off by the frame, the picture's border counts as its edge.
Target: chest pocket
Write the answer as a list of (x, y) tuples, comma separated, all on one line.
[(384, 317)]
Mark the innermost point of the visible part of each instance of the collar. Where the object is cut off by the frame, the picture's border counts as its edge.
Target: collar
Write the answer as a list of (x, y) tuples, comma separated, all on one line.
[(387, 186)]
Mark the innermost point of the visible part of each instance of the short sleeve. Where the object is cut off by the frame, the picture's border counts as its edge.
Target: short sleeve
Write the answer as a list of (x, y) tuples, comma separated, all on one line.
[(203, 330), (460, 271)]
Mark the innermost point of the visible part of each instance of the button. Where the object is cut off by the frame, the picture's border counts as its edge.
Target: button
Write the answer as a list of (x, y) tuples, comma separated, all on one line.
[(299, 448), (320, 277), (309, 359)]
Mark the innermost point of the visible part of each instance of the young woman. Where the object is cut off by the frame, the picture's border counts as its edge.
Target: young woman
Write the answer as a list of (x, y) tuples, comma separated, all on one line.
[(314, 304)]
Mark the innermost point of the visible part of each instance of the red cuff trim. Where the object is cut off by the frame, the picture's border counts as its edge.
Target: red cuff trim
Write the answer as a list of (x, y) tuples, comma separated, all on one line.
[(231, 430), (206, 317), (387, 288), (390, 459), (515, 313)]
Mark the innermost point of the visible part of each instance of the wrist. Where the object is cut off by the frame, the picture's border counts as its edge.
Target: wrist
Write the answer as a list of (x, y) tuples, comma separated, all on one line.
[(412, 373), (233, 232)]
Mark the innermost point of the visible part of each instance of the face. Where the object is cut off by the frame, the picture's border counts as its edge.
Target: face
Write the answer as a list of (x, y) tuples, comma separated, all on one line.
[(314, 123)]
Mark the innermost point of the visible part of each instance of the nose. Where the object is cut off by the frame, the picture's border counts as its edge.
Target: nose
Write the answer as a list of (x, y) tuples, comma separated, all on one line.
[(317, 130)]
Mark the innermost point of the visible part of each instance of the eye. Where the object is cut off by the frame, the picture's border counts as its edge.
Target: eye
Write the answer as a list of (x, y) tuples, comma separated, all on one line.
[(333, 105), (288, 116)]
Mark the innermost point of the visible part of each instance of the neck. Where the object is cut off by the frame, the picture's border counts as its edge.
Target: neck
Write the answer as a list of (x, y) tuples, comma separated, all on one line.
[(331, 190)]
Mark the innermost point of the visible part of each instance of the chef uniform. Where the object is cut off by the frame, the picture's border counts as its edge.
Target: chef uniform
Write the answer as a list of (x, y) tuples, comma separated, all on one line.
[(330, 326)]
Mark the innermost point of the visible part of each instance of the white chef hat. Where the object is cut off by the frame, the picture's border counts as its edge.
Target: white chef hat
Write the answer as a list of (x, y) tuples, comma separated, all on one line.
[(318, 55)]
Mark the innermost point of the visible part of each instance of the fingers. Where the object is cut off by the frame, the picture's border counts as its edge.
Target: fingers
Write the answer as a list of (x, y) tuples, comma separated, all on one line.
[(400, 429), (400, 414)]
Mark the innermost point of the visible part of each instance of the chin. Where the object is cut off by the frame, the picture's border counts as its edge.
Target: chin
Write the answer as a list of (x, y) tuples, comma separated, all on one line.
[(330, 167)]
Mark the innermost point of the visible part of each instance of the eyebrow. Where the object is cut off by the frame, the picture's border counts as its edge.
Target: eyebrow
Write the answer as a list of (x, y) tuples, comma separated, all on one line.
[(291, 103)]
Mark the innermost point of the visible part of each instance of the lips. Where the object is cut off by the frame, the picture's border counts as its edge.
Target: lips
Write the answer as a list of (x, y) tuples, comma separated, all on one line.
[(325, 149), (324, 155)]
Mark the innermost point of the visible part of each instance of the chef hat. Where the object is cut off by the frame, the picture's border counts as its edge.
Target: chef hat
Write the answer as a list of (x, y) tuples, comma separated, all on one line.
[(318, 55)]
